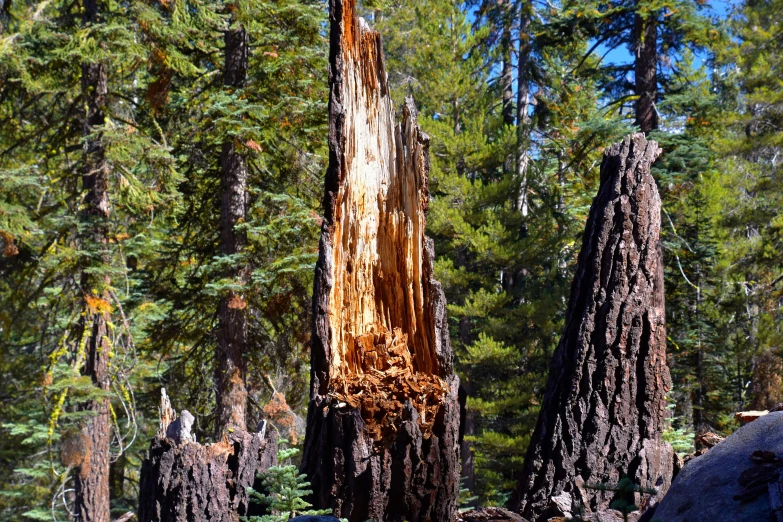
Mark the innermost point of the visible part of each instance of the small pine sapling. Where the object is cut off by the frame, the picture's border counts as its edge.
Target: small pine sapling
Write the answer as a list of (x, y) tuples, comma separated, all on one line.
[(285, 491)]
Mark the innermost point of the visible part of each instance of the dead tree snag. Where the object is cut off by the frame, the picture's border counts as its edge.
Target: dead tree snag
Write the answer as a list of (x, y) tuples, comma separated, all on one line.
[(604, 406), (184, 481), (383, 420)]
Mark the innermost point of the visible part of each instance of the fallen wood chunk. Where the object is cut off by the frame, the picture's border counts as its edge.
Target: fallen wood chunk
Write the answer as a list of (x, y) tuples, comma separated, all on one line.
[(744, 417)]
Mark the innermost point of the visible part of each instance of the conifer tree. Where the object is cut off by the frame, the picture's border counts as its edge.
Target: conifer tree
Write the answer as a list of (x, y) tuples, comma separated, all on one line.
[(75, 140), (253, 262), (231, 373)]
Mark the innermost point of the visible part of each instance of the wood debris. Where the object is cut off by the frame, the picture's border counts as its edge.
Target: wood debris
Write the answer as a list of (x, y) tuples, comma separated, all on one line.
[(380, 378)]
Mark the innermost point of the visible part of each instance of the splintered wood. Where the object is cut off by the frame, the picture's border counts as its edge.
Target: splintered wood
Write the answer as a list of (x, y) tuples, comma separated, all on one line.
[(383, 380), (382, 437), (382, 329)]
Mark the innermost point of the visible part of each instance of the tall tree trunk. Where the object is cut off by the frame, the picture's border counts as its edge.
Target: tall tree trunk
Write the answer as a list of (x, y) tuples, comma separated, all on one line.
[(507, 78), (232, 328), (117, 476), (383, 420), (766, 385), (92, 476), (603, 412), (646, 69), (506, 74), (523, 104), (467, 429)]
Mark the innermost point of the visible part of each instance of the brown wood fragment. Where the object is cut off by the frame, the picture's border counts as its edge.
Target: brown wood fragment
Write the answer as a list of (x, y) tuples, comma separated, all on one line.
[(383, 420), (744, 417)]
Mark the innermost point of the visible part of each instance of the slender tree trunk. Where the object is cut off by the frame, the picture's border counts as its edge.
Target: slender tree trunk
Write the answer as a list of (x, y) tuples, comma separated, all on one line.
[(467, 429), (646, 69), (603, 412), (383, 420), (507, 75), (117, 476), (766, 385), (507, 80), (523, 104), (232, 328), (92, 476)]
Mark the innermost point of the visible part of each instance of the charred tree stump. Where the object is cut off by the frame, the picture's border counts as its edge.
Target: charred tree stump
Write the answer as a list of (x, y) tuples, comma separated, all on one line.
[(383, 420), (603, 411), (184, 481)]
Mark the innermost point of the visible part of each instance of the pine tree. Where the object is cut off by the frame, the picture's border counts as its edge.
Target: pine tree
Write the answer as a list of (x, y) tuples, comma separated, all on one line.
[(270, 123)]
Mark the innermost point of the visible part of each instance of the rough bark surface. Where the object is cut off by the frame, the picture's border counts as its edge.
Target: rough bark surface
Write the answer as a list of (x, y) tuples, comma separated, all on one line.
[(231, 394), (383, 420), (184, 481), (92, 474), (603, 411), (646, 72)]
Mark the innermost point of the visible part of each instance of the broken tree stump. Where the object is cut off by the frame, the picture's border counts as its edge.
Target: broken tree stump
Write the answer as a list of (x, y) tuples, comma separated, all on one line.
[(605, 402), (383, 419), (184, 481)]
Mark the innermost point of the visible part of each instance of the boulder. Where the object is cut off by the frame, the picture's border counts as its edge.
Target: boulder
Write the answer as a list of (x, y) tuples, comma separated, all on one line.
[(738, 479)]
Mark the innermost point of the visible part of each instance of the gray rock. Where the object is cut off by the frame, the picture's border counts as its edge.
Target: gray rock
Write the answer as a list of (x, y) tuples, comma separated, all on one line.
[(179, 430), (704, 490)]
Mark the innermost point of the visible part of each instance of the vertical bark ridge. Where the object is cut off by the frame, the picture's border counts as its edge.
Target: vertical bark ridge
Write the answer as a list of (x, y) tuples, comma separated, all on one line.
[(232, 322), (383, 420), (604, 408)]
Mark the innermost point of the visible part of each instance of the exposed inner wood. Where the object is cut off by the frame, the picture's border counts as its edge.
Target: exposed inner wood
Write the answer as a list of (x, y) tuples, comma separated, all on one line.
[(382, 331)]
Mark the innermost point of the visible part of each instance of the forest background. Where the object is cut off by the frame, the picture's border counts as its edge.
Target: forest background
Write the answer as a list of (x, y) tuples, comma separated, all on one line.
[(519, 99)]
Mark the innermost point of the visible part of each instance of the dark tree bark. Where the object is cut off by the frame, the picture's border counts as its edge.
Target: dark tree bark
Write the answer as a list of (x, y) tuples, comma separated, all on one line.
[(184, 481), (92, 475), (231, 395), (383, 420), (604, 408), (646, 72)]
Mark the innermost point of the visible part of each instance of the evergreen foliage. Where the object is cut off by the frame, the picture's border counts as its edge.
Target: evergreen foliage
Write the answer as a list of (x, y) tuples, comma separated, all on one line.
[(285, 490)]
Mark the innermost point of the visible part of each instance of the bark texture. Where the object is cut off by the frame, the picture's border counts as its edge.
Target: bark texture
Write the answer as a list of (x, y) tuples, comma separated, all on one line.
[(646, 72), (603, 411), (184, 481), (92, 474), (231, 395), (383, 420)]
